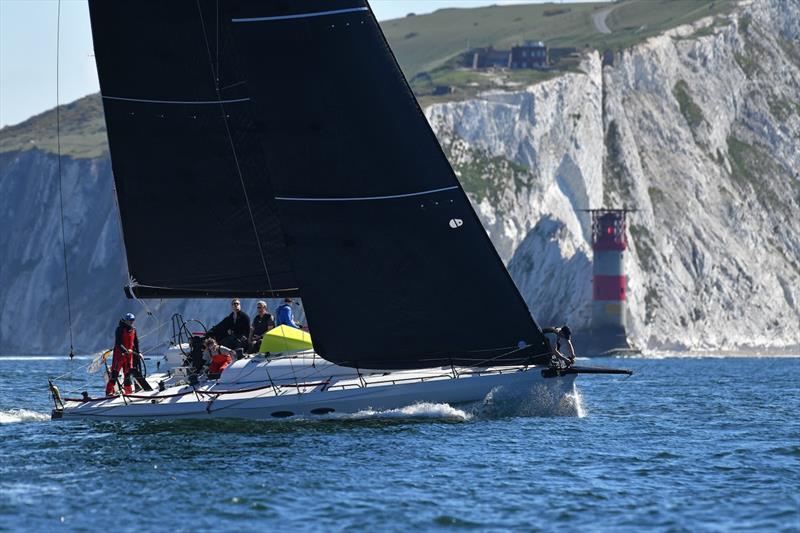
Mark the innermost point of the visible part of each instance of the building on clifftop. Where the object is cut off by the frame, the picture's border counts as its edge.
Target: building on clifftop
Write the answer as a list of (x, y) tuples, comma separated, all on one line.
[(528, 55)]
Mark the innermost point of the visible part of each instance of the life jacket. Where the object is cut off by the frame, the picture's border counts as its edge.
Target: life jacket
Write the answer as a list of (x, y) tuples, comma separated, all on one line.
[(127, 337), (219, 362)]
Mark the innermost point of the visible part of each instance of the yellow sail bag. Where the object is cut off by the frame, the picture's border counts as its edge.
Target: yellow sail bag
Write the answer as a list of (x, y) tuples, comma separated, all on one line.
[(285, 339)]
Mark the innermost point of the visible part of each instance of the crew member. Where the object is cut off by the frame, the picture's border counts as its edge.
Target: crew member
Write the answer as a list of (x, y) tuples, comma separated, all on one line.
[(262, 323), (219, 357), (232, 331), (285, 315), (558, 358), (126, 344), (565, 333)]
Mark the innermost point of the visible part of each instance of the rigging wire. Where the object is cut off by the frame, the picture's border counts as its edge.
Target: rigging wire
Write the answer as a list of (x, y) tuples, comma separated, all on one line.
[(217, 31), (60, 185), (215, 76)]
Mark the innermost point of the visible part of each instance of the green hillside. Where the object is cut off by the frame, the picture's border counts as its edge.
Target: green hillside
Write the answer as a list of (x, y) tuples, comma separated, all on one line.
[(427, 47), (83, 130), (423, 43)]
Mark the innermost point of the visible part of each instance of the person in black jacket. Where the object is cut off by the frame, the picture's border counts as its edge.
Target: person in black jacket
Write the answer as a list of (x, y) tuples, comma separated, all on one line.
[(233, 330), (262, 323)]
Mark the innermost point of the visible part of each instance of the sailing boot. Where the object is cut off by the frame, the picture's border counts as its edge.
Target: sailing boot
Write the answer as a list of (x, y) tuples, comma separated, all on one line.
[(128, 389)]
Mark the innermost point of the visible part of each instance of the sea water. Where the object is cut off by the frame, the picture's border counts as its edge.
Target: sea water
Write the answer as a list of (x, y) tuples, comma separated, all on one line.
[(686, 444)]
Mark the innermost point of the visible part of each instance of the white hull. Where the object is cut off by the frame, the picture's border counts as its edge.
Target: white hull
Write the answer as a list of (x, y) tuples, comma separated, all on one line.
[(259, 389)]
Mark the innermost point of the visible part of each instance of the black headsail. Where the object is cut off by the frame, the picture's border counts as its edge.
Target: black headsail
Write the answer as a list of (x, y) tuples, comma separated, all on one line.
[(356, 204), (198, 213), (394, 266)]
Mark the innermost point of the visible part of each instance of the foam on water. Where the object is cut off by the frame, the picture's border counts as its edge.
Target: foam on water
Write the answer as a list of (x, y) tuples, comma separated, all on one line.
[(417, 410), (541, 400), (12, 416), (577, 398)]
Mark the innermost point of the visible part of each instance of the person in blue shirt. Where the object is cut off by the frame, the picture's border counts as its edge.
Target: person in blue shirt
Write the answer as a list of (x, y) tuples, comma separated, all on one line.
[(285, 315)]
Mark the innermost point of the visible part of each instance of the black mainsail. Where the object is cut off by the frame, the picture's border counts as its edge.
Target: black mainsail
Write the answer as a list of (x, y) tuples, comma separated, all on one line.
[(355, 206), (197, 209)]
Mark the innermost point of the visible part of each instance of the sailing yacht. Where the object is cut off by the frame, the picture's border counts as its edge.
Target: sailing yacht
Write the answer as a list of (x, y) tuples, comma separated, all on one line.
[(285, 139)]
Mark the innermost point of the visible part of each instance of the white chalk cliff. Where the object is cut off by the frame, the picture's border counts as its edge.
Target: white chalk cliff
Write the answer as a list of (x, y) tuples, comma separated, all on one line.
[(699, 130)]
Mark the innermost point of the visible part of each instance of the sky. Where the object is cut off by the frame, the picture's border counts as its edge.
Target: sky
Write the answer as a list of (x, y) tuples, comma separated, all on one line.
[(28, 64)]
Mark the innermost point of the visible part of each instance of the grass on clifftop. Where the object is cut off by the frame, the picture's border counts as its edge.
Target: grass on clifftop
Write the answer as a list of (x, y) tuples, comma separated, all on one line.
[(424, 42), (83, 131), (636, 20)]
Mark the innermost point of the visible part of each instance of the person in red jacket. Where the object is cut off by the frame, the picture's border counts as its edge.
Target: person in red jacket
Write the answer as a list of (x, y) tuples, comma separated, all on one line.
[(219, 357), (126, 345)]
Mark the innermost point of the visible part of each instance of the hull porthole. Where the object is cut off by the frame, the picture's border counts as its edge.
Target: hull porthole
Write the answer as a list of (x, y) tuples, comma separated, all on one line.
[(282, 414), (322, 411)]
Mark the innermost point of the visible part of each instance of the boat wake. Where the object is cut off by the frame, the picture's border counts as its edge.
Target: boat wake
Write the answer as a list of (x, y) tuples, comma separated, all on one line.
[(13, 416), (542, 401), (424, 410)]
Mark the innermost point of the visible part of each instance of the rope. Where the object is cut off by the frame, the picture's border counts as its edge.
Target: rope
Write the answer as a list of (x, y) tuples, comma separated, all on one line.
[(60, 185), (159, 324), (215, 76)]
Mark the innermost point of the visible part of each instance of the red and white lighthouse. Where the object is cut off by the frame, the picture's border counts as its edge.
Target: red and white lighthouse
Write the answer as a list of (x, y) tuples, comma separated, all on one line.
[(609, 282)]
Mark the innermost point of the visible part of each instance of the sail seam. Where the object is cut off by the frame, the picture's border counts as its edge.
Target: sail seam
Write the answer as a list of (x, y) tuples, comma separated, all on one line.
[(302, 15), (362, 198), (186, 102)]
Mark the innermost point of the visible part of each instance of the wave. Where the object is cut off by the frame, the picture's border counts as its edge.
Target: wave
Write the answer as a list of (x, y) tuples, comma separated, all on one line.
[(13, 416)]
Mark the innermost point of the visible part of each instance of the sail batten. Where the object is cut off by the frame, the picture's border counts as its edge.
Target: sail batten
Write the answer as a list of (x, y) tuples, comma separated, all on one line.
[(364, 198), (177, 102), (301, 15)]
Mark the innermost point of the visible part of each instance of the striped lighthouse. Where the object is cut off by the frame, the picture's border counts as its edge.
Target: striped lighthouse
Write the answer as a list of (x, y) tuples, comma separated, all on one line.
[(609, 282)]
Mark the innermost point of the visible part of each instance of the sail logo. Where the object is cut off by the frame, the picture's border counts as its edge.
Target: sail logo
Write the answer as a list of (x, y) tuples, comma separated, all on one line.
[(456, 223)]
